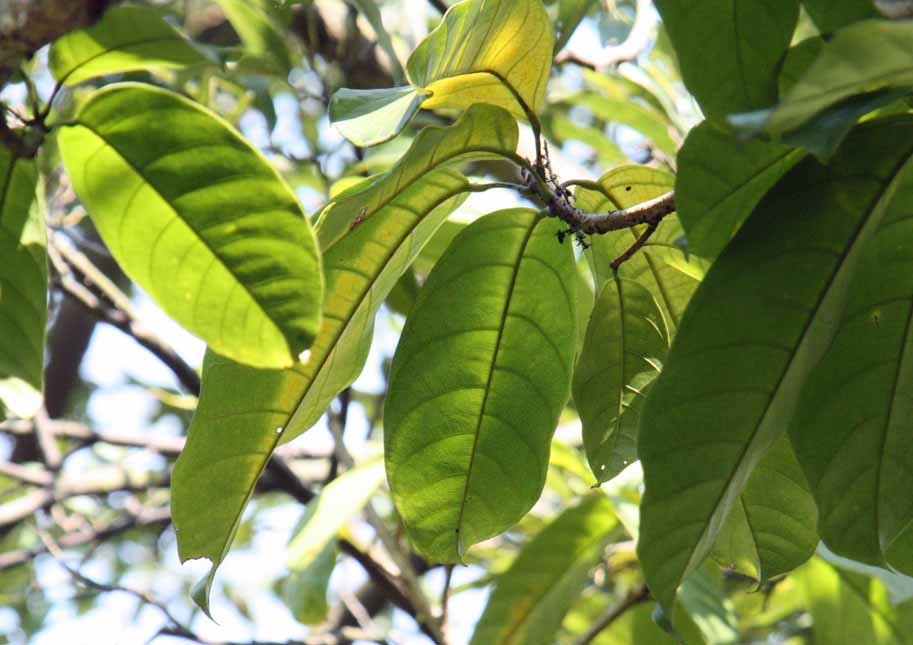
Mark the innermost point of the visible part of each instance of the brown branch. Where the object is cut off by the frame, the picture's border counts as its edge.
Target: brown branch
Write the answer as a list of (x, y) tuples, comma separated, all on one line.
[(637, 41), (440, 5), (634, 597)]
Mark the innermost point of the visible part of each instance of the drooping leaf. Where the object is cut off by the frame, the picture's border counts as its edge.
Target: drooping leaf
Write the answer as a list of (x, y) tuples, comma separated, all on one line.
[(304, 590), (23, 286), (705, 605), (259, 24), (729, 50), (626, 341), (530, 599), (234, 429), (864, 57), (771, 301), (720, 180), (127, 39), (831, 15), (771, 529), (662, 266), (798, 59), (486, 51), (371, 12), (481, 373), (570, 14), (327, 513), (198, 218), (369, 117), (646, 119), (854, 421), (848, 608)]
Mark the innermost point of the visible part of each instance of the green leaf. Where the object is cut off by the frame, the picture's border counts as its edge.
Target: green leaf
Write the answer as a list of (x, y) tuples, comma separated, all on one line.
[(259, 24), (662, 266), (570, 14), (848, 608), (730, 50), (646, 119), (864, 57), (626, 340), (721, 178), (478, 381), (486, 51), (853, 425), (771, 529), (771, 301), (371, 12), (198, 218), (530, 599), (304, 591), (798, 59), (234, 429), (126, 39), (23, 286), (329, 512), (369, 117), (704, 603), (831, 15)]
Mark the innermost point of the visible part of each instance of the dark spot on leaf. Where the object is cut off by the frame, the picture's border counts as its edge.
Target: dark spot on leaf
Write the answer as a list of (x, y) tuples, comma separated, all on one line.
[(627, 188)]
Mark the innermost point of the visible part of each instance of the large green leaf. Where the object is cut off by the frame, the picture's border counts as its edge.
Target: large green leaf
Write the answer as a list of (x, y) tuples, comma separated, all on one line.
[(831, 15), (848, 608), (530, 599), (864, 57), (771, 301), (199, 219), (23, 286), (478, 381), (626, 340), (369, 117), (486, 51), (662, 265), (771, 529), (729, 50), (721, 178), (126, 39), (244, 413), (853, 427)]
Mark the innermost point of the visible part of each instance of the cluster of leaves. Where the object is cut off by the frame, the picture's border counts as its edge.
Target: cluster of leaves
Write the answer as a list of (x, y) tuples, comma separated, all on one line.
[(754, 355)]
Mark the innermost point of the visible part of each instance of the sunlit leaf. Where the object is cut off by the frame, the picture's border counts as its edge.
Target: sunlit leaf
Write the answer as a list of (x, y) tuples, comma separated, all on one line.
[(126, 39), (530, 599), (376, 232), (479, 378), (848, 608), (626, 341), (721, 178), (369, 117), (730, 49), (23, 286), (771, 301), (771, 529), (198, 218), (854, 421), (659, 265), (864, 57), (486, 51)]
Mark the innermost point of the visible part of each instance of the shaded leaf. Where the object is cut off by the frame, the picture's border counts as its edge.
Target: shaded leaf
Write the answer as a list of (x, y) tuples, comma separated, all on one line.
[(831, 15), (478, 381), (729, 50), (259, 24), (304, 590), (23, 287), (486, 51), (658, 265), (853, 427), (570, 14), (771, 301), (243, 412), (646, 119), (530, 599), (369, 117), (771, 530), (626, 340), (198, 218), (864, 57), (371, 12), (126, 39), (721, 178), (705, 605)]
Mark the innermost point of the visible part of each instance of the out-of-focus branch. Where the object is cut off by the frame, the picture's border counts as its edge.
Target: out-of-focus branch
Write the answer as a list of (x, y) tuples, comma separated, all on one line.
[(633, 598), (440, 5), (637, 41), (28, 25)]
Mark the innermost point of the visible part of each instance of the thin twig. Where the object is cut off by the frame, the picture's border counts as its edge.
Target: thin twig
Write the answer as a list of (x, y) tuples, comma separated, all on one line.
[(445, 594), (634, 597), (624, 257)]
